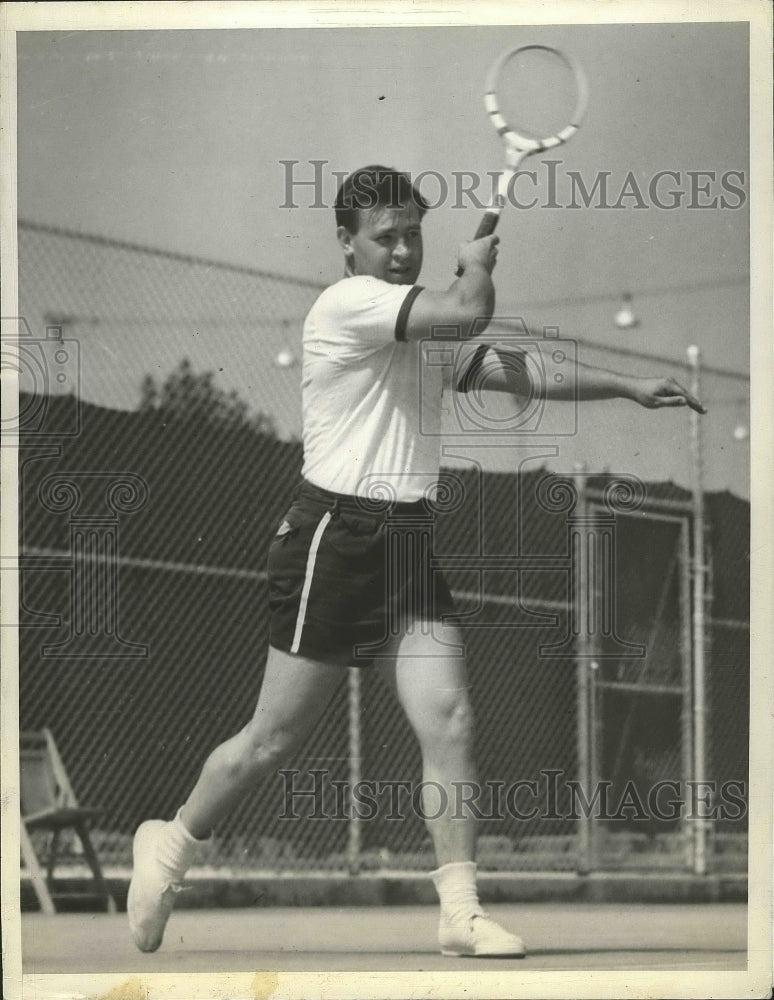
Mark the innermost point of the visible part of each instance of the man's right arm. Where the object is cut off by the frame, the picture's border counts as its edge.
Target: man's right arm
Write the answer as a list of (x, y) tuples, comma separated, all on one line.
[(467, 305)]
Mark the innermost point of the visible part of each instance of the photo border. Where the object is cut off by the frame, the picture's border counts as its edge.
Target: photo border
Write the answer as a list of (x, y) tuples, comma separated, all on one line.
[(583, 983)]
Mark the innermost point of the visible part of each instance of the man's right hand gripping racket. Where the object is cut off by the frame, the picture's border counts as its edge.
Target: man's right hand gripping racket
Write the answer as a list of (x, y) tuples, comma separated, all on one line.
[(536, 98)]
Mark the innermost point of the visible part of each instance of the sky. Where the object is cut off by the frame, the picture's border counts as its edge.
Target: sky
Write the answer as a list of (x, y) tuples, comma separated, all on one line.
[(176, 140)]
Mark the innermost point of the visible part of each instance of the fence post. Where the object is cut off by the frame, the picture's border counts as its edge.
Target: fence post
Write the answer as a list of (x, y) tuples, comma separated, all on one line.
[(355, 775), (699, 587), (686, 651), (580, 614)]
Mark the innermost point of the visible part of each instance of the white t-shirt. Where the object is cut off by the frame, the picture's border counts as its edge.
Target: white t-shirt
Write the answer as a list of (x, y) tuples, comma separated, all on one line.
[(371, 406)]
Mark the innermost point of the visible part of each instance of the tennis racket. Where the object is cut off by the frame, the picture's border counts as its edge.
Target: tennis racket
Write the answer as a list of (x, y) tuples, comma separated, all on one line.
[(536, 97)]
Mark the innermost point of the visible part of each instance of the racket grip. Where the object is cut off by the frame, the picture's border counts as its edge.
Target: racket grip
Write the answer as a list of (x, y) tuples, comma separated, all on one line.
[(486, 227)]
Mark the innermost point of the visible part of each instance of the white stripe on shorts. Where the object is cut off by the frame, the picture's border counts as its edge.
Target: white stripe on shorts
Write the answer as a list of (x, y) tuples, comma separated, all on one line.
[(311, 559)]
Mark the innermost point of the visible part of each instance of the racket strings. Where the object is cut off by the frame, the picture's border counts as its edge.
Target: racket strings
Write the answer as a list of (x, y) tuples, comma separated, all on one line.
[(534, 94)]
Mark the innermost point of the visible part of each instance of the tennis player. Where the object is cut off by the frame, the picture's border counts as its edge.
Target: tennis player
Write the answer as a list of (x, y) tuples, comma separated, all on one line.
[(335, 597)]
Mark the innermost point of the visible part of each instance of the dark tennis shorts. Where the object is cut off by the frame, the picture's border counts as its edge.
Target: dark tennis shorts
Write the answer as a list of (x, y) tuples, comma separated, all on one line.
[(349, 575)]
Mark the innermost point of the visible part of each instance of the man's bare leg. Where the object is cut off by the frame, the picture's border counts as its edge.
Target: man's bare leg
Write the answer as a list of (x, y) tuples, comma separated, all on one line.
[(429, 676), (294, 693)]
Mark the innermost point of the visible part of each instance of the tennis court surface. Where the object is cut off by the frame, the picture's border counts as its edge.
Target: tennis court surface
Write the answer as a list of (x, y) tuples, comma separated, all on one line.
[(560, 936)]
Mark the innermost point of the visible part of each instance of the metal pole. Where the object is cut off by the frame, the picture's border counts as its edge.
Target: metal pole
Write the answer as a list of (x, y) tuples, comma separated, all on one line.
[(580, 616), (355, 774), (699, 587), (686, 713), (596, 721)]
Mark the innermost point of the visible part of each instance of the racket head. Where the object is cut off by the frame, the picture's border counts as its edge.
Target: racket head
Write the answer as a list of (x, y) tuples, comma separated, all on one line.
[(517, 137)]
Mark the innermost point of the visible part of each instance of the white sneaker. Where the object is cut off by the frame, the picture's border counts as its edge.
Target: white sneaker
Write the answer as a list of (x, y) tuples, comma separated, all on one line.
[(479, 936), (151, 892)]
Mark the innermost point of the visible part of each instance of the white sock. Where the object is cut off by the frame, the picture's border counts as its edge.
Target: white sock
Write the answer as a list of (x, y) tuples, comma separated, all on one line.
[(178, 849), (456, 887)]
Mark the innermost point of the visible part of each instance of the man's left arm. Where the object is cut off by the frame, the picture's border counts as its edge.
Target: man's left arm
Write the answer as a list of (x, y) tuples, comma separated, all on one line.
[(505, 370)]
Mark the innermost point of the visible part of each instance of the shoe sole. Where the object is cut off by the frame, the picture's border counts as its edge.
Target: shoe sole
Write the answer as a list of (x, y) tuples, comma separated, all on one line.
[(483, 954), (142, 833)]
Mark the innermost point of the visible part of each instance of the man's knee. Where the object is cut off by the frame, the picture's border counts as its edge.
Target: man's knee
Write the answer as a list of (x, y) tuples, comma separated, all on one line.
[(265, 749), (450, 720), (460, 721)]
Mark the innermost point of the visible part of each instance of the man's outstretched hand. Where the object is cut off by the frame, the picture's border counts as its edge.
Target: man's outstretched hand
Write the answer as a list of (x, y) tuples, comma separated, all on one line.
[(653, 393)]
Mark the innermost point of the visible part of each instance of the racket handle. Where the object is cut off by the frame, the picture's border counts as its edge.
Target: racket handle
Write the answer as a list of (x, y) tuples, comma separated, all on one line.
[(486, 227)]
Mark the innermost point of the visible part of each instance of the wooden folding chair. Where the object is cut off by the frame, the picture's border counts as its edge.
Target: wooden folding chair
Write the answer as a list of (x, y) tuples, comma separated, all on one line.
[(48, 803)]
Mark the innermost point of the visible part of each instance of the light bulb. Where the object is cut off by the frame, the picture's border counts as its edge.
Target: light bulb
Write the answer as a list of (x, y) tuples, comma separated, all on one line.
[(625, 318), (285, 359)]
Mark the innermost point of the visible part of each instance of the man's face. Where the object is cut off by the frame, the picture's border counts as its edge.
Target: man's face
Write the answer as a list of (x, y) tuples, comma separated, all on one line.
[(387, 245)]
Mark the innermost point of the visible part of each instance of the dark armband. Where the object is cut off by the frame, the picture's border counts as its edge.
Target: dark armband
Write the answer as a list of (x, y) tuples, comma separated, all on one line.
[(403, 312)]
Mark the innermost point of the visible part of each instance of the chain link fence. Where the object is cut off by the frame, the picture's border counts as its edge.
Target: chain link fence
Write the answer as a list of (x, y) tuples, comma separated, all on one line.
[(144, 534)]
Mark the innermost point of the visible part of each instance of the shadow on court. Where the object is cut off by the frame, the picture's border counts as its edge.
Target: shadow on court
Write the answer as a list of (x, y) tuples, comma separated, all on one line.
[(400, 938)]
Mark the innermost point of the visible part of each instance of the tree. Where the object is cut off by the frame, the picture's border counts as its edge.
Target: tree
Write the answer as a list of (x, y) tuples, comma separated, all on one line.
[(149, 395), (193, 397)]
